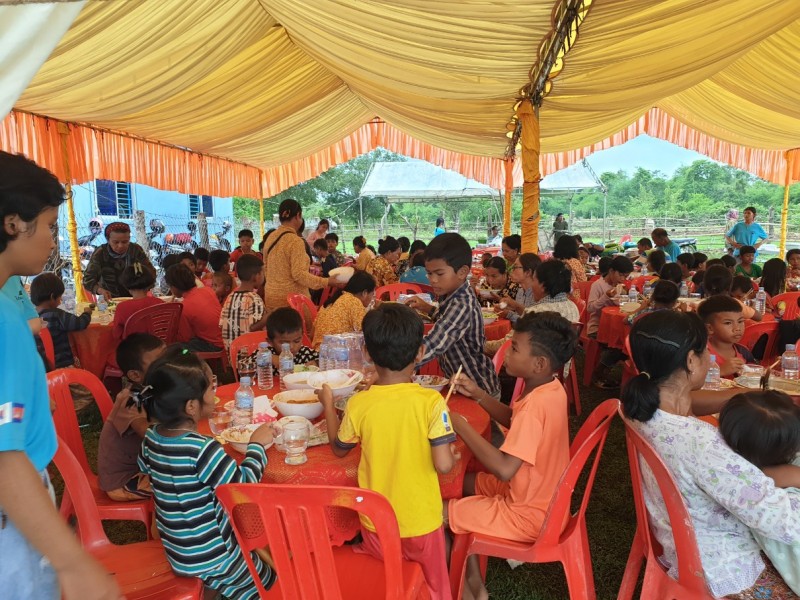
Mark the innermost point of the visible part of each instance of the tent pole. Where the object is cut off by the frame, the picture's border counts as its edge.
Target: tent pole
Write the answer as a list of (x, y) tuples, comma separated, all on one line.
[(72, 225), (261, 203), (528, 117), (509, 171), (789, 157), (361, 215), (605, 206)]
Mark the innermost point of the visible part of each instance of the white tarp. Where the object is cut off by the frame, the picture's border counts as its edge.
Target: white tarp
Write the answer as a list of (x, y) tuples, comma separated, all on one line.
[(575, 177), (419, 181)]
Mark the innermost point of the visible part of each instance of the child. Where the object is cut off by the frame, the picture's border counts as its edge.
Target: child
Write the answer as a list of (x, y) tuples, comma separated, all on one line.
[(417, 273), (326, 260), (793, 260), (246, 242), (664, 297), (748, 268), (699, 261), (118, 473), (656, 259), (219, 261), (583, 256), (405, 435), (729, 262), (139, 279), (671, 272), (346, 312), (764, 428), (188, 259), (511, 499), (243, 307), (485, 258), (46, 292), (185, 468), (773, 277), (333, 243), (724, 322), (718, 282), (222, 285), (365, 255), (742, 288), (199, 326), (285, 326), (201, 262), (686, 263), (457, 337)]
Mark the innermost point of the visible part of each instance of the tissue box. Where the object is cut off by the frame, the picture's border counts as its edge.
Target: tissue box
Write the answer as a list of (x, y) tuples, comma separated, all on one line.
[(263, 411)]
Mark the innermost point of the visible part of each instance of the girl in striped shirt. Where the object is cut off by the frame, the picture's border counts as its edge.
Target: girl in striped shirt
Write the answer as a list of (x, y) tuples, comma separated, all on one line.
[(186, 467)]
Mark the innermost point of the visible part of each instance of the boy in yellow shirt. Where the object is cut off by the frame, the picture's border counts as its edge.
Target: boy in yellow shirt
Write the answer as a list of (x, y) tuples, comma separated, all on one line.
[(405, 434)]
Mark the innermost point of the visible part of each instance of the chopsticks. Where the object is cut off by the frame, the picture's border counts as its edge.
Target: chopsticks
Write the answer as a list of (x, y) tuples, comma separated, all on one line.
[(765, 377), (453, 384)]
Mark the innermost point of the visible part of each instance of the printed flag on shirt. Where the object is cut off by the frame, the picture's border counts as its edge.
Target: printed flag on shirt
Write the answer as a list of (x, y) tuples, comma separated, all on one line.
[(11, 412)]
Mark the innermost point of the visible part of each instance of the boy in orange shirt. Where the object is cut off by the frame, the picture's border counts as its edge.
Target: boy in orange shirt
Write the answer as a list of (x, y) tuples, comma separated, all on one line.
[(511, 500), (405, 434)]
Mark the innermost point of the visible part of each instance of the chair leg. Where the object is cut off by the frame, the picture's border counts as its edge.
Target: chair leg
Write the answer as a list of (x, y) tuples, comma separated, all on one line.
[(592, 358), (632, 569), (458, 564), (573, 386)]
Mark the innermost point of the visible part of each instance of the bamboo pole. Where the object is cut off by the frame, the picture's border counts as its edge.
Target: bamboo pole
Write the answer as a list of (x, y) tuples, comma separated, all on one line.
[(789, 157), (528, 116), (507, 215), (72, 225), (261, 203)]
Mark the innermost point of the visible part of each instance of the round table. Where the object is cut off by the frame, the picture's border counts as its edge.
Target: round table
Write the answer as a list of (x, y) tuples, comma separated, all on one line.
[(613, 328), (325, 468), (93, 346)]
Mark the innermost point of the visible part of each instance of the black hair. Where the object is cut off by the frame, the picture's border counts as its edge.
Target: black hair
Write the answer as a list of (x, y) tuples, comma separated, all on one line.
[(131, 349), (47, 286), (187, 256), (226, 277), (645, 242), (791, 253), (169, 260), (180, 277), (530, 262), (717, 280), (389, 244), (283, 321), (659, 232), (288, 210), (697, 278), (513, 241), (717, 304), (138, 276), (245, 233), (660, 345), (665, 293), (497, 262), (686, 259), (359, 242), (264, 239), (251, 266), (714, 261), (773, 276), (728, 261), (361, 281), (321, 243), (763, 427), (404, 242), (747, 250), (218, 259), (451, 248), (176, 377), (393, 334), (201, 254), (622, 265), (371, 248), (551, 335), (418, 259), (417, 246), (752, 209), (585, 249), (555, 277), (740, 283), (671, 272), (656, 259), (26, 190), (302, 227), (699, 258), (323, 222), (439, 221), (332, 236), (566, 247), (603, 265)]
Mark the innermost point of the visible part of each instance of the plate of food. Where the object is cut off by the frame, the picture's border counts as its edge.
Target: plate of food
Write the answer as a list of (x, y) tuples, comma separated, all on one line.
[(489, 316), (630, 307), (238, 437), (343, 382), (433, 382)]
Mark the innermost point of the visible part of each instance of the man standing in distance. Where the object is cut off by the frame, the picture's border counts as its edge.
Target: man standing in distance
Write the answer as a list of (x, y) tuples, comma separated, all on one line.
[(748, 233)]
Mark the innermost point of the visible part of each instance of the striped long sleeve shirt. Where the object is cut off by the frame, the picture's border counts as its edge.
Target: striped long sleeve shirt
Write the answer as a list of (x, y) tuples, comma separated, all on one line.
[(196, 533), (458, 337)]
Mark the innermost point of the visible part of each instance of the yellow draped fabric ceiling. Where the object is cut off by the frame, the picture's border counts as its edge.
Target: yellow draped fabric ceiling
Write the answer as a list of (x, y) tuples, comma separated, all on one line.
[(289, 88)]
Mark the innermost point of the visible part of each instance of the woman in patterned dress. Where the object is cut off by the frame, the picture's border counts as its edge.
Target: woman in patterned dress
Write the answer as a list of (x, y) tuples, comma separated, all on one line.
[(383, 267), (566, 250)]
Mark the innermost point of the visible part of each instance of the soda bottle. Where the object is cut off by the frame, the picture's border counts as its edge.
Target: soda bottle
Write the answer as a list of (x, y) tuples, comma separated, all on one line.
[(712, 376)]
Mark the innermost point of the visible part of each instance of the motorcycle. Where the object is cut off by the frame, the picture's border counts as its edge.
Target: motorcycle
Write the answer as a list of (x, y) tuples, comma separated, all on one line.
[(154, 248), (175, 243), (218, 241)]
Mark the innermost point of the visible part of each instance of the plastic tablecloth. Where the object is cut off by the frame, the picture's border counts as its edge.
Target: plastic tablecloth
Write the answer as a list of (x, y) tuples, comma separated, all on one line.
[(613, 327), (93, 346), (325, 468)]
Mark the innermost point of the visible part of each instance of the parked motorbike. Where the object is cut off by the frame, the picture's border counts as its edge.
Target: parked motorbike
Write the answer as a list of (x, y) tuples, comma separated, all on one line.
[(154, 248), (218, 241), (175, 243)]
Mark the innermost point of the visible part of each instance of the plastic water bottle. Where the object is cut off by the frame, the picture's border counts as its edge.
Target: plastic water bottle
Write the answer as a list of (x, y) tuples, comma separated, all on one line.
[(684, 290), (761, 300), (633, 294), (648, 289), (789, 362), (341, 356), (356, 356), (264, 367), (102, 305), (644, 270), (712, 377), (285, 364), (68, 300), (322, 361), (243, 403)]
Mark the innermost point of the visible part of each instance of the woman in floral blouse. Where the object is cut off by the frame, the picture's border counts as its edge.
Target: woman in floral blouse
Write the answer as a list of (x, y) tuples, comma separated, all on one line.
[(566, 250), (496, 276), (345, 313), (383, 267), (725, 495)]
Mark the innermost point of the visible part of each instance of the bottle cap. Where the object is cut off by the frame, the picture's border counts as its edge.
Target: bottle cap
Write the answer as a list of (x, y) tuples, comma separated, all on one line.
[(790, 346), (286, 347), (713, 358), (263, 346), (245, 381)]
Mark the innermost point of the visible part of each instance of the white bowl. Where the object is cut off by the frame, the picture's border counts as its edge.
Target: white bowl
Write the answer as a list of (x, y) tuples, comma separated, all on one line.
[(336, 378), (297, 381), (488, 293), (287, 403), (489, 318), (233, 436), (342, 274), (432, 382)]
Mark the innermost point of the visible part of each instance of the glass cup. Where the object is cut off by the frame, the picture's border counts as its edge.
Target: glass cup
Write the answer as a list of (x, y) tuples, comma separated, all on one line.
[(295, 441), (214, 383), (220, 420)]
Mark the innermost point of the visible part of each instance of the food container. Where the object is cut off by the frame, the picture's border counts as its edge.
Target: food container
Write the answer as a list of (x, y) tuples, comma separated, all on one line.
[(297, 381), (336, 379), (298, 403)]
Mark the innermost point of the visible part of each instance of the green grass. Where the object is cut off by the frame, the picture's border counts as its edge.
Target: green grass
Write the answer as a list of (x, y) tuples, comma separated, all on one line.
[(610, 516)]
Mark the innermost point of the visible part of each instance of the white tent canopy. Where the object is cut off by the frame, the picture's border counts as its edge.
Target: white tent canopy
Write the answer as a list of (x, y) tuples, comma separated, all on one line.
[(575, 178)]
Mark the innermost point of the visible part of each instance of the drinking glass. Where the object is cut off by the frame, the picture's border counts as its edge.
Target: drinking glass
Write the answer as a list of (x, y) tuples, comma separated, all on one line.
[(220, 420), (214, 383), (246, 364), (295, 442)]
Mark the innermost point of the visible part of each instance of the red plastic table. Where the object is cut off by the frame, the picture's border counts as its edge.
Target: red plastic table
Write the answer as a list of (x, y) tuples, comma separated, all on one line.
[(325, 468), (93, 346), (613, 327)]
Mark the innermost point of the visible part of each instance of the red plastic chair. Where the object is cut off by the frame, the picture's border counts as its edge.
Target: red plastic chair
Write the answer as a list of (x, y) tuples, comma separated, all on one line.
[(592, 349), (691, 582), (754, 332), (326, 293), (249, 340), (629, 370), (497, 360), (308, 311), (570, 380), (570, 547), (291, 520), (66, 422), (580, 303), (141, 569), (47, 344), (791, 299), (426, 289), (583, 289), (392, 291)]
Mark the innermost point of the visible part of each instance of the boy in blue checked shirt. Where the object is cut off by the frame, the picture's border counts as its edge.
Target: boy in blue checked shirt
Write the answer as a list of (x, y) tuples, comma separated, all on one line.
[(458, 336)]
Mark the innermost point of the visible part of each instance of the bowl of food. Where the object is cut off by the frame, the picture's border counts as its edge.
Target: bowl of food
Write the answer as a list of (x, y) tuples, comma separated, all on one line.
[(489, 316), (343, 382), (298, 403), (238, 437), (487, 294), (297, 381), (433, 382)]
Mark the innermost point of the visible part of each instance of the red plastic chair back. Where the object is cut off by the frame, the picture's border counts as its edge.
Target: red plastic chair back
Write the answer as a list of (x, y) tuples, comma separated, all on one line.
[(754, 332), (250, 341), (791, 299), (691, 582), (392, 291), (291, 520), (583, 289), (308, 312), (326, 293), (160, 320), (47, 344), (580, 303), (500, 356)]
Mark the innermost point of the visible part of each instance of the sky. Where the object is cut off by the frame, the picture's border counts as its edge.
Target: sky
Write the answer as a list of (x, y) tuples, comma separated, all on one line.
[(643, 151)]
